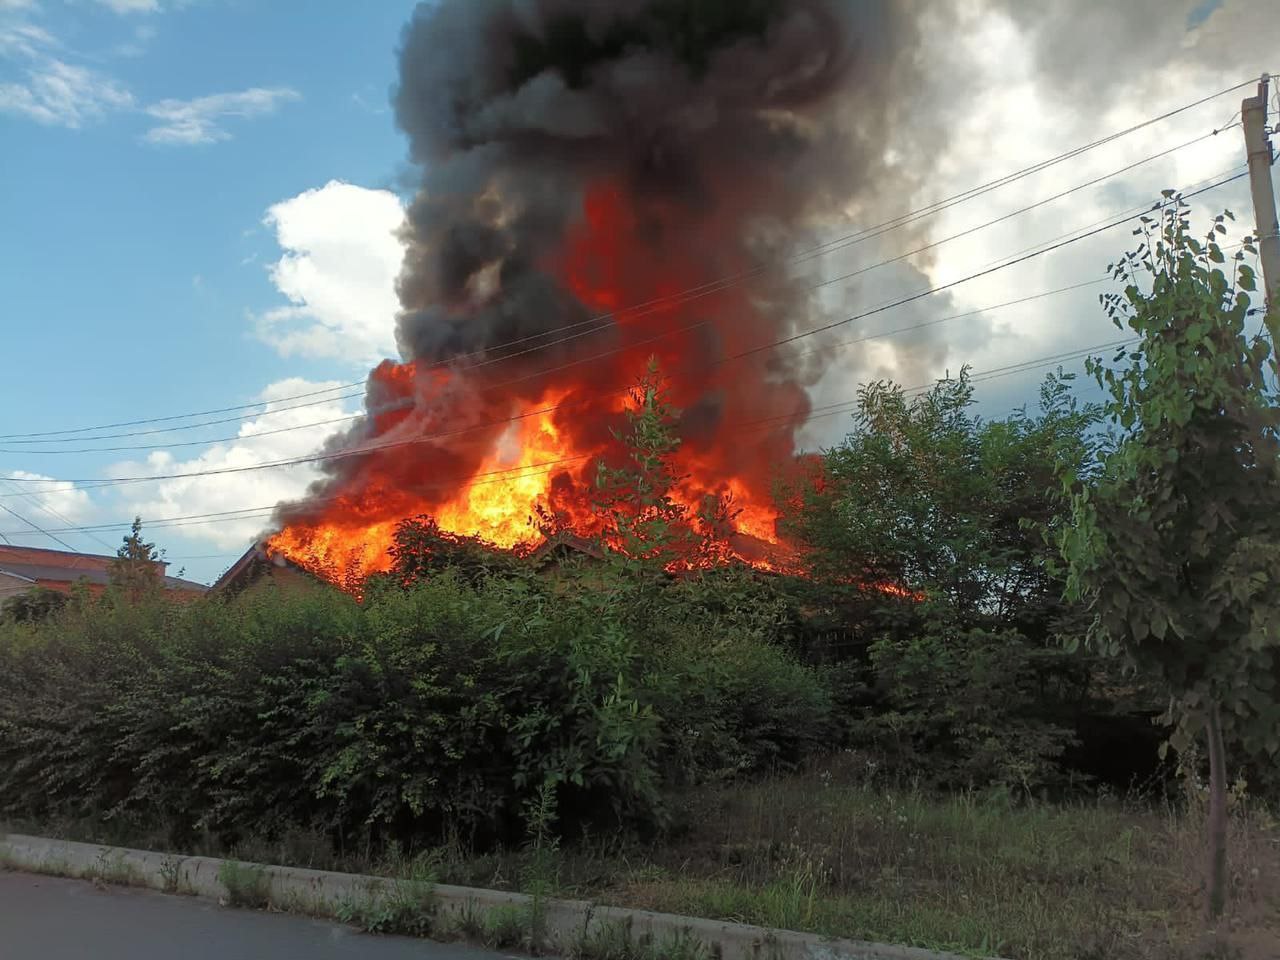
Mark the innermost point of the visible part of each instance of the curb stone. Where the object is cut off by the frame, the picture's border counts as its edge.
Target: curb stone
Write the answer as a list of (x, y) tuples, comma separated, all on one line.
[(323, 892)]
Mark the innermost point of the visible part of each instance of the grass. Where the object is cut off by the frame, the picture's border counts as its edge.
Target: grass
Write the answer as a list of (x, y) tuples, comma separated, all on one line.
[(614, 941), (405, 906), (831, 853), (246, 884), (975, 874)]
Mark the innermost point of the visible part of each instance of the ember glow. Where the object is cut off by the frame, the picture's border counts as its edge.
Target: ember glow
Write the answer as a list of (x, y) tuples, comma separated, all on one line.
[(591, 173)]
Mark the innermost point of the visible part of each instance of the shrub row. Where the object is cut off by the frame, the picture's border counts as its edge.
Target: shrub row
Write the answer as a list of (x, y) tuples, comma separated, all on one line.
[(441, 707)]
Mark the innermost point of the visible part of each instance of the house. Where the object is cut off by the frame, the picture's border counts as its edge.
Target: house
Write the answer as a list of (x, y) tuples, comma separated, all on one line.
[(23, 568), (259, 568), (562, 547)]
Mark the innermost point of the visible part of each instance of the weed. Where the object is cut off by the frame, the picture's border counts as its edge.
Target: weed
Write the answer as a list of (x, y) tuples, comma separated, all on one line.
[(542, 871), (604, 941), (110, 868), (615, 941), (843, 855), (405, 906), (682, 946), (507, 927), (247, 885), (468, 923), (171, 873)]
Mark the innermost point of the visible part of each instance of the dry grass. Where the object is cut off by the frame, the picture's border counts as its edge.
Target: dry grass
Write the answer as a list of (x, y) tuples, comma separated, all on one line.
[(830, 852), (976, 875)]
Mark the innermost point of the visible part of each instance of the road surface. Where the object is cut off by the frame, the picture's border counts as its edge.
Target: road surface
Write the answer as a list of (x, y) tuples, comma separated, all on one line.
[(50, 918)]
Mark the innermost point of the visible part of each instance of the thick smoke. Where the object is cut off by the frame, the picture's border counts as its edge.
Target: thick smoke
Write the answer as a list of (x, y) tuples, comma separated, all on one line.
[(749, 115), (581, 158)]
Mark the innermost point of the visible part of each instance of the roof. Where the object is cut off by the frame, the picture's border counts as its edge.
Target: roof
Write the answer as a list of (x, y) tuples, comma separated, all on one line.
[(64, 566), (253, 563), (565, 544), (61, 574), (178, 583), (10, 555)]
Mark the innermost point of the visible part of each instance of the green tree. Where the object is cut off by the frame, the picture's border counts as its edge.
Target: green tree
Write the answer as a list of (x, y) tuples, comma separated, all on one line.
[(643, 520), (138, 569), (925, 524), (33, 606), (1176, 546), (421, 550), (926, 496)]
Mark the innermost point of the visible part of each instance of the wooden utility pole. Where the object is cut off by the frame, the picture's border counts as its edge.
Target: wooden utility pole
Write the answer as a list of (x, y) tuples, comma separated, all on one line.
[(1253, 112)]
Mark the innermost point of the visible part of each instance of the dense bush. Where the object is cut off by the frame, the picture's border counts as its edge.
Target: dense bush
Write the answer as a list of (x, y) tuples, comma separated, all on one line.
[(445, 706), (32, 605), (962, 709), (929, 531)]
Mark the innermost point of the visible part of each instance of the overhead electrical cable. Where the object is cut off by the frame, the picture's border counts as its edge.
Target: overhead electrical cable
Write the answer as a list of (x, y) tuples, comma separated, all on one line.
[(373, 448), (490, 387), (542, 467), (904, 219)]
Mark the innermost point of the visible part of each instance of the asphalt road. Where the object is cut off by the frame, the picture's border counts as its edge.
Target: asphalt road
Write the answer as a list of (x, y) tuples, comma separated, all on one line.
[(49, 918)]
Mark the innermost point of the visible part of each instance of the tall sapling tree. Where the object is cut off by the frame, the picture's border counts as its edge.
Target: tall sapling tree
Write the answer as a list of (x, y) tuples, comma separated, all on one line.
[(1176, 546)]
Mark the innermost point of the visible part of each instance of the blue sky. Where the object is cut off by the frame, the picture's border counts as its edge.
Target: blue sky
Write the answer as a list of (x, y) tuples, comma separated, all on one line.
[(134, 263), (198, 200)]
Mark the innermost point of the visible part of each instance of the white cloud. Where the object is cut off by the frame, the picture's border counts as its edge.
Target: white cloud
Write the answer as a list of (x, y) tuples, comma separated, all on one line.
[(63, 500), (57, 93), (1017, 115), (23, 39), (131, 6), (9, 5), (257, 442), (52, 91), (188, 122), (341, 260), (143, 34)]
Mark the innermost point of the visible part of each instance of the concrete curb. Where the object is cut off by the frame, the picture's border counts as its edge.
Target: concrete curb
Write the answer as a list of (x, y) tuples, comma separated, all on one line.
[(323, 893)]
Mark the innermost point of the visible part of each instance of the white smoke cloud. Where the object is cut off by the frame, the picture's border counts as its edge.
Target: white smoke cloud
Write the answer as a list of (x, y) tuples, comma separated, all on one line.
[(341, 259)]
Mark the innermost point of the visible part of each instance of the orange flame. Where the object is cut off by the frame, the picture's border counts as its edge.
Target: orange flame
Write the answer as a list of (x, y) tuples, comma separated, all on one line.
[(485, 452)]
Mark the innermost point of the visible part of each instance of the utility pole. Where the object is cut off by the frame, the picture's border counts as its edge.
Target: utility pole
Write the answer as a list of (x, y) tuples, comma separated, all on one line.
[(1253, 112)]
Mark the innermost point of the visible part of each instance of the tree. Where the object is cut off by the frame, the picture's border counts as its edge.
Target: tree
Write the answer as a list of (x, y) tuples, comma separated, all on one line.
[(642, 519), (33, 606), (925, 523), (1176, 546), (137, 570), (421, 550), (926, 496)]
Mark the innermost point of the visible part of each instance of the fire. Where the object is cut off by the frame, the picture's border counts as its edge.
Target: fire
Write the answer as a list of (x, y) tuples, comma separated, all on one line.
[(488, 446), (499, 510)]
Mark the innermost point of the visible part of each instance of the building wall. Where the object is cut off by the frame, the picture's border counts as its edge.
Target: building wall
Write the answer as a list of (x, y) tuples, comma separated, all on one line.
[(12, 586), (277, 580), (62, 586)]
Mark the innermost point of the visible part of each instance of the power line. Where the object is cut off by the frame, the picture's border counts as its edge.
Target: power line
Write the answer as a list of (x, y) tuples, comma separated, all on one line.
[(631, 346), (540, 468), (373, 448), (864, 339), (35, 526), (663, 335), (182, 416), (602, 319), (34, 499)]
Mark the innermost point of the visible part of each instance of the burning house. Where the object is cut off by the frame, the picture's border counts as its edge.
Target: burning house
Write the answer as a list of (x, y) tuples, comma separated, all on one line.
[(601, 183)]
